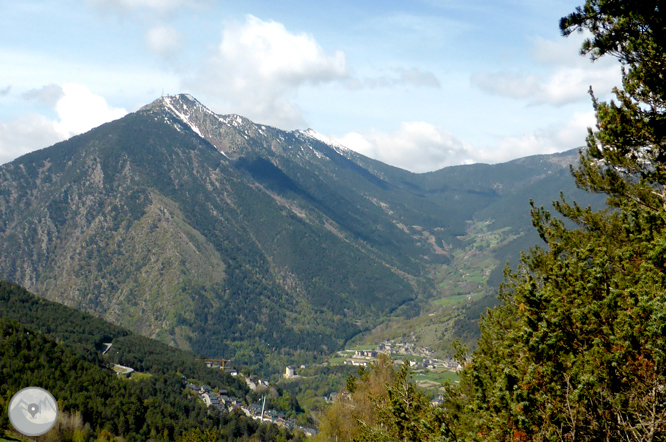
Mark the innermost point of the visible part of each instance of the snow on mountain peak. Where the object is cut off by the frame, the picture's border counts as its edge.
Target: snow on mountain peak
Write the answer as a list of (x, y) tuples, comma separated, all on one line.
[(232, 120), (172, 103), (311, 133), (185, 110)]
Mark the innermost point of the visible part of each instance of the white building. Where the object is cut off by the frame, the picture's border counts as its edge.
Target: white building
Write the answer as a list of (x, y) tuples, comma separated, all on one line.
[(289, 372)]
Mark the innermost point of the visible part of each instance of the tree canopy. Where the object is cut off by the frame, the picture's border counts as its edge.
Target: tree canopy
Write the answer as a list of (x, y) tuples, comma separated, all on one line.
[(577, 348)]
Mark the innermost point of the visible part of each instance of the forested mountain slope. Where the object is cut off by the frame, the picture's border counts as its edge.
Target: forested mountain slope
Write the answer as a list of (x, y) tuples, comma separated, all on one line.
[(57, 348), (232, 238)]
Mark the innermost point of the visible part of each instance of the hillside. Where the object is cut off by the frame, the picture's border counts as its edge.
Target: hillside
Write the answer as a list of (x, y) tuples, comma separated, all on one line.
[(235, 239), (52, 346), (86, 335)]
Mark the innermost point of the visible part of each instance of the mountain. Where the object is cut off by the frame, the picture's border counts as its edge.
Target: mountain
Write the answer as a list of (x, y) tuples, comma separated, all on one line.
[(212, 233)]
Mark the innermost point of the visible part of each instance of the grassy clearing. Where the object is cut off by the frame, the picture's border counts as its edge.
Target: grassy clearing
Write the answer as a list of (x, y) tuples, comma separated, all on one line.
[(450, 300), (362, 347), (136, 376)]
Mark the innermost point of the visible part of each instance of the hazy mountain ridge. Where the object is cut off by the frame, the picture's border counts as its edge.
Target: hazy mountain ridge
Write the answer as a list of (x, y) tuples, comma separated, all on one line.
[(230, 237)]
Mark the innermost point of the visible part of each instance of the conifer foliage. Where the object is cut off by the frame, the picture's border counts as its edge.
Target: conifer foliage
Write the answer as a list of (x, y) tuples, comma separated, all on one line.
[(383, 404), (577, 348)]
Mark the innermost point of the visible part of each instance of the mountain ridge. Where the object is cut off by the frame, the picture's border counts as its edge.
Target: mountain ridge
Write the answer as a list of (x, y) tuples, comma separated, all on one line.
[(228, 237)]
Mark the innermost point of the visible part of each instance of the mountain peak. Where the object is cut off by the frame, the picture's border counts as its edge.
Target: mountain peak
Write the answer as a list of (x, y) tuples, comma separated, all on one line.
[(190, 111), (229, 133), (176, 98)]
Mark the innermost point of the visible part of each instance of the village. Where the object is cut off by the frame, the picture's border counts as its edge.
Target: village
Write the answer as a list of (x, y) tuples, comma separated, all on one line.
[(221, 400), (421, 360), (419, 357), (427, 369)]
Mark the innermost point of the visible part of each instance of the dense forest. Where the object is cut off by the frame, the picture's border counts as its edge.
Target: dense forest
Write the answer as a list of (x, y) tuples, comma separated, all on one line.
[(95, 403), (575, 350), (86, 335), (59, 349)]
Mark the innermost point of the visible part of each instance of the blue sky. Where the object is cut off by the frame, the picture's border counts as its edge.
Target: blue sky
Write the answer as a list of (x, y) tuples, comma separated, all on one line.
[(419, 84)]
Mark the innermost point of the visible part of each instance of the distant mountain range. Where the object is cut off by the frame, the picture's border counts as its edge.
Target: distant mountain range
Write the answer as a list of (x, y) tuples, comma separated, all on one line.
[(231, 238)]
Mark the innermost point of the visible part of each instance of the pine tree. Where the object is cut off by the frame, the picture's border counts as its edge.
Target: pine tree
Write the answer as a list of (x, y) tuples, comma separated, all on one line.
[(626, 156), (577, 349)]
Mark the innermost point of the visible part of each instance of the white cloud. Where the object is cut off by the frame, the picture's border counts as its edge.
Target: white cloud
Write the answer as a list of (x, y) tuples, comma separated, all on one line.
[(423, 147), (78, 110), (567, 79), (555, 138), (259, 67), (163, 39), (5, 91), (49, 94), (563, 86), (25, 134), (415, 146)]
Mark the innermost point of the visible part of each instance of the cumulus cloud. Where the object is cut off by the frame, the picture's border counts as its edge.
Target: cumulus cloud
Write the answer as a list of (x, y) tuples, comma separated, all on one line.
[(423, 147), (5, 91), (415, 146), (567, 79), (25, 134), (78, 110), (259, 67), (163, 39)]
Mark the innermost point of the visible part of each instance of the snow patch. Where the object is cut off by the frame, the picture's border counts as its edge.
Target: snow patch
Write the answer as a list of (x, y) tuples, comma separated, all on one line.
[(184, 118), (232, 120), (220, 150), (310, 133)]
